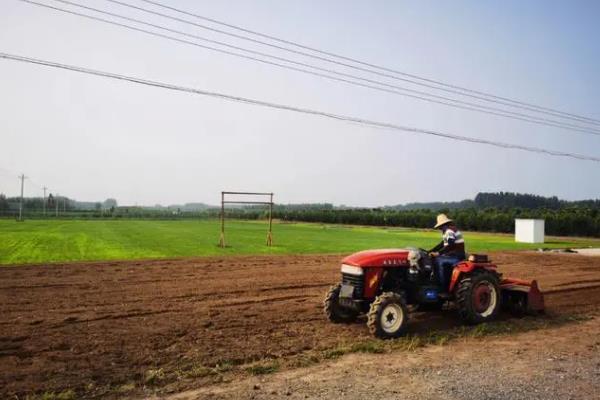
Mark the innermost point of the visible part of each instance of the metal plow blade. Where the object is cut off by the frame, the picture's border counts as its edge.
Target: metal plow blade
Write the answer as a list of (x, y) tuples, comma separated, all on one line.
[(521, 297)]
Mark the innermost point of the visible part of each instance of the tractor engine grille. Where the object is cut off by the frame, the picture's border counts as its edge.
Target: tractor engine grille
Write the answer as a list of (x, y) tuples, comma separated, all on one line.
[(356, 281)]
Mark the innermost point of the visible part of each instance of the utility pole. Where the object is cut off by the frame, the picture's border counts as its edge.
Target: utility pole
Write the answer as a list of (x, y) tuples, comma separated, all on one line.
[(44, 205), (56, 204), (22, 178)]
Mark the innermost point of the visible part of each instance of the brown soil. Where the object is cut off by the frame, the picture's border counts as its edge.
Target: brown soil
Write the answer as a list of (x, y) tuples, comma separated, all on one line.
[(102, 328), (560, 363)]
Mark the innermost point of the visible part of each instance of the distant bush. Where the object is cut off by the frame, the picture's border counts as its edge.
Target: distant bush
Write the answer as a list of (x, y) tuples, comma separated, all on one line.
[(488, 212), (563, 222)]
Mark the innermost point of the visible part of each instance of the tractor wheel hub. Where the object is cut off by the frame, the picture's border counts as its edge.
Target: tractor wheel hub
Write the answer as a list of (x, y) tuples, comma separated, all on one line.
[(392, 318), (484, 298)]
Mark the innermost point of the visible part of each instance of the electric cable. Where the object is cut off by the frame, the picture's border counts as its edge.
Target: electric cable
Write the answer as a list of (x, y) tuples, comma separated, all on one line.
[(417, 94), (279, 106), (445, 86)]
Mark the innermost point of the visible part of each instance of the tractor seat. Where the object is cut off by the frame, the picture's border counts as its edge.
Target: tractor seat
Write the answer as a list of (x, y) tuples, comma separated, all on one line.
[(478, 258)]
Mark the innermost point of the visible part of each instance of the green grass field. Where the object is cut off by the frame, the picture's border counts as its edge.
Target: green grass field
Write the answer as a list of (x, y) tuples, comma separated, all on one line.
[(40, 241)]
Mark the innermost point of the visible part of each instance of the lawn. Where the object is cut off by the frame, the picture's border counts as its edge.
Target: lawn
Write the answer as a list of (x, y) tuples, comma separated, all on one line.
[(42, 241)]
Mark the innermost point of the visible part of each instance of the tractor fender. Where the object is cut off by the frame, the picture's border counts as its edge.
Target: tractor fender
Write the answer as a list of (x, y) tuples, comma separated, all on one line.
[(466, 267)]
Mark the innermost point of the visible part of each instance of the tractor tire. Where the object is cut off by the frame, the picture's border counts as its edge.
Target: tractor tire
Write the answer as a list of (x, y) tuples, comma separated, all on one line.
[(334, 312), (478, 297), (388, 316)]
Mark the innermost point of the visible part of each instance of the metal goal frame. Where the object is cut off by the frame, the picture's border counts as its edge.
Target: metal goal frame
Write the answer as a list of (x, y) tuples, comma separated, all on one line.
[(225, 201)]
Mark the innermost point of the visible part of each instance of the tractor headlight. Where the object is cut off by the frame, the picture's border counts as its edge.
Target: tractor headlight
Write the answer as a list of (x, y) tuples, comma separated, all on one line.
[(351, 270)]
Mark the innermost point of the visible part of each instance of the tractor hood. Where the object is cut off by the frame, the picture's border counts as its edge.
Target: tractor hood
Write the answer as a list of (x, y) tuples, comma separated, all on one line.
[(378, 258)]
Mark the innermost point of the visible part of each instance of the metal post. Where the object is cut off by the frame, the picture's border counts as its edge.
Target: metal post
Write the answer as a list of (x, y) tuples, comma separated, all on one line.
[(270, 234), (22, 177), (222, 238), (269, 203), (44, 205), (56, 204)]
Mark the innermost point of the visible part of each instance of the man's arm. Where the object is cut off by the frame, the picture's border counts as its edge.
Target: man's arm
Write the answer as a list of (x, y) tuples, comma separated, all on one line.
[(448, 244), (437, 247)]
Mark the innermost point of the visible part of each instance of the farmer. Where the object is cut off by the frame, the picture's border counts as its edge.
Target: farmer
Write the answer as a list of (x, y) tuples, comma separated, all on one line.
[(449, 251)]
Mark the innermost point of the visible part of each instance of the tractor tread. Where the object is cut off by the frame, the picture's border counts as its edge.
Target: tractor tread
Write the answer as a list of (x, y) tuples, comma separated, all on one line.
[(333, 313), (464, 301)]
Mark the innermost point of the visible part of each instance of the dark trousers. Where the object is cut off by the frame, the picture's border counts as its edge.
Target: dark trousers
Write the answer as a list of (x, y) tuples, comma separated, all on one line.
[(444, 266)]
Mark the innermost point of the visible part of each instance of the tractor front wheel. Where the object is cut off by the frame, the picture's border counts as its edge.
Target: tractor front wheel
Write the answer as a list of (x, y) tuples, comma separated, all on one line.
[(388, 316), (478, 297), (334, 311)]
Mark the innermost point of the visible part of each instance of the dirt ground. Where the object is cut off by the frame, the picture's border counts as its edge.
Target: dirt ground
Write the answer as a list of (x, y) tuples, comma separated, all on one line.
[(558, 363), (589, 252), (135, 329)]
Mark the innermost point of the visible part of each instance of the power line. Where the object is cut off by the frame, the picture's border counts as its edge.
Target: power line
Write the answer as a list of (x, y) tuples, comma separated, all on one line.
[(416, 94), (31, 180), (8, 172), (444, 100), (21, 197), (41, 187), (445, 86), (293, 108)]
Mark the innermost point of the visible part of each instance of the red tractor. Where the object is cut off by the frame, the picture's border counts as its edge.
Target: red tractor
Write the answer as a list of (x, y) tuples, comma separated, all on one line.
[(383, 283)]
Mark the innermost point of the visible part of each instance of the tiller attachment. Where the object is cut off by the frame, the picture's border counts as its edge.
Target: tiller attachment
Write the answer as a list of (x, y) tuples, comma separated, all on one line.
[(521, 297)]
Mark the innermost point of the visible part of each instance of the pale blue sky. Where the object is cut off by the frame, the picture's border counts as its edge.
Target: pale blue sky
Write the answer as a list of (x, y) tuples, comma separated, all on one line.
[(92, 138)]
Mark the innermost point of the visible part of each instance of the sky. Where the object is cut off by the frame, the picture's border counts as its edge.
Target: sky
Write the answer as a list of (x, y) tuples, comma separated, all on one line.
[(93, 138)]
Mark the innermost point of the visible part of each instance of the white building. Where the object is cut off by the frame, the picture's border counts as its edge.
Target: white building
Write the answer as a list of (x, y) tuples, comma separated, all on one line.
[(529, 230)]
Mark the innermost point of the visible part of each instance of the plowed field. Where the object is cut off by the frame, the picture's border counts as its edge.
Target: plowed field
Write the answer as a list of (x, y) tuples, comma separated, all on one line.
[(102, 329)]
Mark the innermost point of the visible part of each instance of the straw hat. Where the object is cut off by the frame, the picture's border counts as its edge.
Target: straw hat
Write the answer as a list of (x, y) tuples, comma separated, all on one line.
[(442, 219)]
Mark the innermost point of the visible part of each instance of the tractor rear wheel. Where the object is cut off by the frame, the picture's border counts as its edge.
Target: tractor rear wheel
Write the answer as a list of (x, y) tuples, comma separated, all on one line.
[(388, 316), (333, 310), (478, 297)]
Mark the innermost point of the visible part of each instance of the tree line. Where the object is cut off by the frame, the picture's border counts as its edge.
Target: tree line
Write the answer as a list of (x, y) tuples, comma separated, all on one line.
[(51, 203), (562, 222), (487, 212), (500, 200)]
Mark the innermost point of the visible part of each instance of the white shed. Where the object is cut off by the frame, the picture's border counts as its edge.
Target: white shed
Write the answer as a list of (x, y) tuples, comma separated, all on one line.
[(529, 230)]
